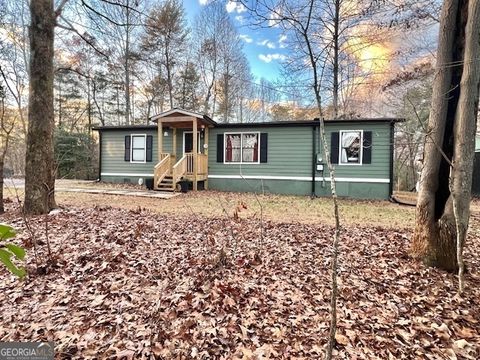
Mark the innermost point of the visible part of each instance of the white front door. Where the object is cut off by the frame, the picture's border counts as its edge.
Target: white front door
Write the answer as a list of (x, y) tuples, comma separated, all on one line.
[(188, 141)]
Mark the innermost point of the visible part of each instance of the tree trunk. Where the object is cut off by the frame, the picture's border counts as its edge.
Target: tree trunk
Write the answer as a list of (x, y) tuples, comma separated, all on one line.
[(2, 206), (89, 107), (465, 129), (336, 24), (94, 95), (169, 66), (449, 148), (127, 67), (39, 166)]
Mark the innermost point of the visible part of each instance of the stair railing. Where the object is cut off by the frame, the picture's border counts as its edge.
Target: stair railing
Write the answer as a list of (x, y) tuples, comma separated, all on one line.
[(179, 169), (161, 169)]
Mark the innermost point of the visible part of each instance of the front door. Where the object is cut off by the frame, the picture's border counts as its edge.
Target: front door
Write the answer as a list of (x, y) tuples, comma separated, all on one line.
[(188, 142)]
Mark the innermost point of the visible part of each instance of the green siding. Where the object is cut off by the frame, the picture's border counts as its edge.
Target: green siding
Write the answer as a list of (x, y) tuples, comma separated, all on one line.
[(290, 153), (380, 166), (113, 145)]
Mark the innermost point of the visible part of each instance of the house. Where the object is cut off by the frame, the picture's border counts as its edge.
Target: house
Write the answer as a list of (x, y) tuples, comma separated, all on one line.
[(271, 157), (476, 168)]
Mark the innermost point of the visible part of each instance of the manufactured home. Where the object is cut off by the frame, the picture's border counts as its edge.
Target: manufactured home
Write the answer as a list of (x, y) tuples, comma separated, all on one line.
[(284, 157)]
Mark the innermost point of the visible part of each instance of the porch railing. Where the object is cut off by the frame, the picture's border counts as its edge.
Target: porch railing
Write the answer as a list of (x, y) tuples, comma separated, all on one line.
[(202, 161), (202, 164), (189, 157), (162, 168)]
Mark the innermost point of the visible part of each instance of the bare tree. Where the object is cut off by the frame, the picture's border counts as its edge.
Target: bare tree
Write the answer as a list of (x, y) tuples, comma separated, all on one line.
[(14, 55), (443, 206), (6, 128), (166, 39), (298, 19), (113, 26), (209, 25)]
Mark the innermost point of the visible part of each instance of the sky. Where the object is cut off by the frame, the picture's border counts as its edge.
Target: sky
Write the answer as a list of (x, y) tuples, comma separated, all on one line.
[(264, 48)]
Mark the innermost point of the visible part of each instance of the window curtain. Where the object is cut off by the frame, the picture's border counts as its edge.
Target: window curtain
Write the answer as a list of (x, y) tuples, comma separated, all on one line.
[(348, 140), (229, 149), (250, 148), (233, 148)]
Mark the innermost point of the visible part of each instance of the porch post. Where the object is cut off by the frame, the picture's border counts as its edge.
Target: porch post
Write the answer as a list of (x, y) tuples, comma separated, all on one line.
[(160, 139), (174, 141), (195, 151), (205, 141)]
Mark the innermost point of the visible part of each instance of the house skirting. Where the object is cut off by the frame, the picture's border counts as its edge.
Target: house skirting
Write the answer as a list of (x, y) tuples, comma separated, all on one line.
[(361, 188)]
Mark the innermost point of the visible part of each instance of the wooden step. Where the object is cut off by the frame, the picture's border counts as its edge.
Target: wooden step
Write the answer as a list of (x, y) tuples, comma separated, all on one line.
[(168, 188), (163, 184)]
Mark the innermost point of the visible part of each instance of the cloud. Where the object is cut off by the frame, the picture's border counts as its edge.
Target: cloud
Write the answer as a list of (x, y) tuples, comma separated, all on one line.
[(281, 41), (274, 20), (246, 38), (267, 43), (240, 19), (203, 2), (232, 6), (270, 57)]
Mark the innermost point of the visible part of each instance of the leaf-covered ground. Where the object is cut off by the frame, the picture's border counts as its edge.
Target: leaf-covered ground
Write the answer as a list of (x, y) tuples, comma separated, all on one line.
[(134, 284)]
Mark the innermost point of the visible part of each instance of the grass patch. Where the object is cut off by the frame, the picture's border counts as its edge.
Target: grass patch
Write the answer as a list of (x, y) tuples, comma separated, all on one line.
[(278, 208)]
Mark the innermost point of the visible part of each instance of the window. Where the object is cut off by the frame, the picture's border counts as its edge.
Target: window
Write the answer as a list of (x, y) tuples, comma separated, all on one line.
[(242, 148), (138, 148), (351, 147)]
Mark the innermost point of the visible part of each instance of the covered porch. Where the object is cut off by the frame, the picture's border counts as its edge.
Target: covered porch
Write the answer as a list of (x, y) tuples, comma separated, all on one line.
[(188, 162)]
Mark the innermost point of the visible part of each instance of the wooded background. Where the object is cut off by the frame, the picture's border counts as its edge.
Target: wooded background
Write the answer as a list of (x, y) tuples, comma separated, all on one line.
[(119, 62)]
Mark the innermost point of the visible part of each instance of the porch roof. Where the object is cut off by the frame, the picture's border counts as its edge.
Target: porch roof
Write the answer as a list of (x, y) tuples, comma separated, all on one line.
[(182, 118)]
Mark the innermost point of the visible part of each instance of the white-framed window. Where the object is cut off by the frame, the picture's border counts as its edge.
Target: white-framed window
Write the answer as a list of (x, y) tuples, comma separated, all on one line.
[(138, 148), (242, 148), (351, 147)]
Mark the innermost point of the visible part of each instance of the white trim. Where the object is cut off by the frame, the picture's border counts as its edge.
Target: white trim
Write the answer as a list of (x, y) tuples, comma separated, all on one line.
[(241, 162), (340, 149), (125, 174), (172, 111), (144, 148), (198, 141), (299, 178)]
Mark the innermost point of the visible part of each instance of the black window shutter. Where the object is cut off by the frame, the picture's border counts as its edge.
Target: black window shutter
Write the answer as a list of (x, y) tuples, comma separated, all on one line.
[(149, 148), (127, 147), (367, 147), (334, 147), (220, 148), (263, 147)]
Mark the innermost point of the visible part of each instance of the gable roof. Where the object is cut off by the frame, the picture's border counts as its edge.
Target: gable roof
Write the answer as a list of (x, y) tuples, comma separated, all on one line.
[(262, 124), (125, 127), (173, 111), (308, 122)]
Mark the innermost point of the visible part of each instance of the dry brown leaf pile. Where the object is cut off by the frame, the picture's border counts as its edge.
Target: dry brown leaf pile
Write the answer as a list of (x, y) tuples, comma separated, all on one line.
[(133, 285)]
